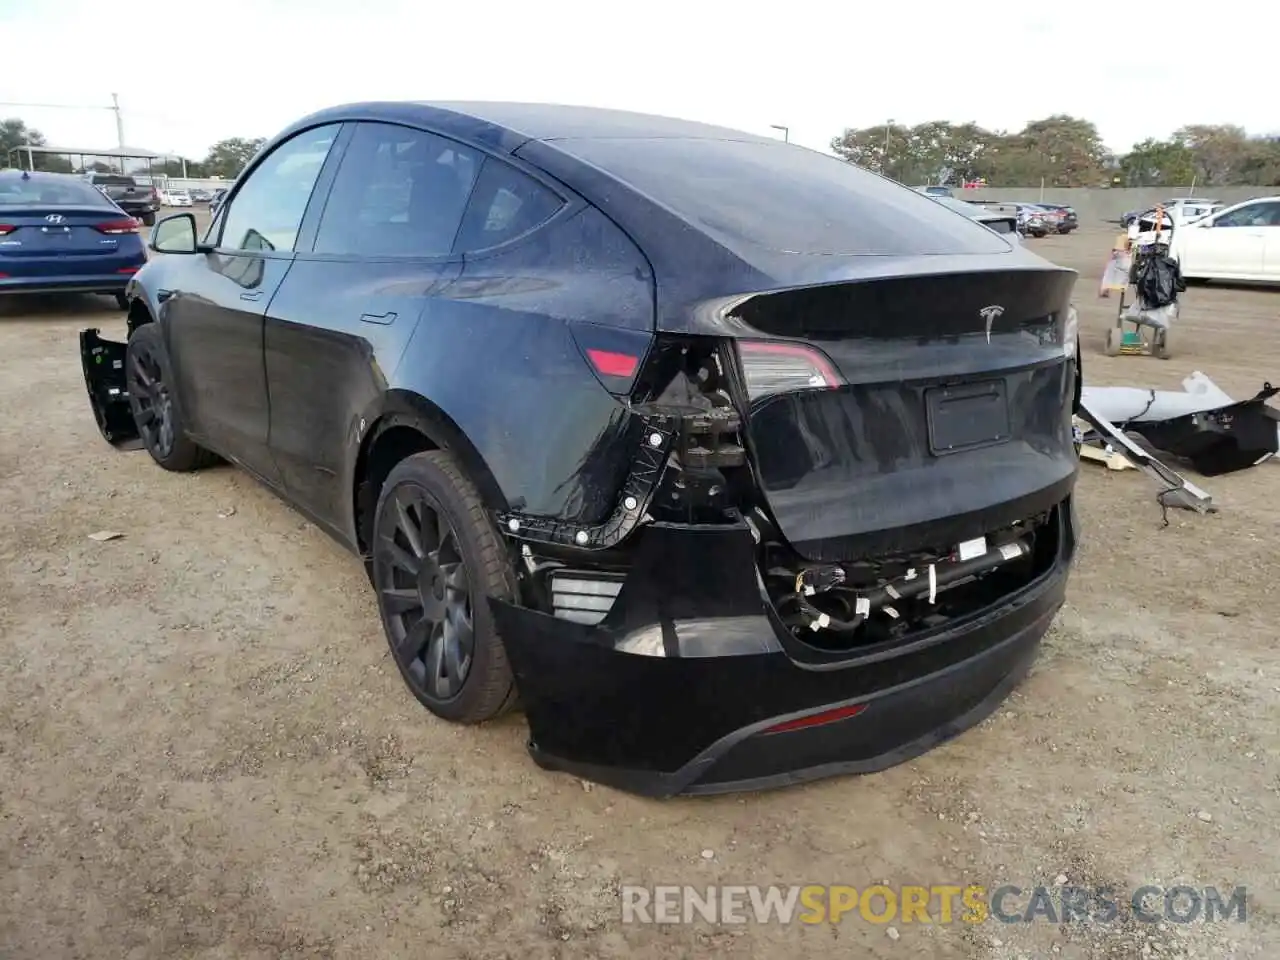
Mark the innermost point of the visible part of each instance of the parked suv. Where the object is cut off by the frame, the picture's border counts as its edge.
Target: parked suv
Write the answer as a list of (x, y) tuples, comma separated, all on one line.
[(737, 464)]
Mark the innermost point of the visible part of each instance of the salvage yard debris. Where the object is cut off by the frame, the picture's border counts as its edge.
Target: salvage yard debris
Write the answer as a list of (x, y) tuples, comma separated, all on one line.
[(1200, 424)]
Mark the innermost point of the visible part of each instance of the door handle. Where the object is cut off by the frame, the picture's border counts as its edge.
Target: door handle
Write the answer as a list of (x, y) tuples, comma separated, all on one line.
[(252, 295), (383, 318)]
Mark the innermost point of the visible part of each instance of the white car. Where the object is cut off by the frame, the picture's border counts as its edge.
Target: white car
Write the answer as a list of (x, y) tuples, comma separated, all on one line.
[(1240, 242), (178, 198)]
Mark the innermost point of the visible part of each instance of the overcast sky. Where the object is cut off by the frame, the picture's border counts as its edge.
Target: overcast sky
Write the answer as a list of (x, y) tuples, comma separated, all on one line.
[(189, 74)]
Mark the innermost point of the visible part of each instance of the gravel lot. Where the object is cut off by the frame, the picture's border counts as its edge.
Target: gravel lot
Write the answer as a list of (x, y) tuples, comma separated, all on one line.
[(206, 752)]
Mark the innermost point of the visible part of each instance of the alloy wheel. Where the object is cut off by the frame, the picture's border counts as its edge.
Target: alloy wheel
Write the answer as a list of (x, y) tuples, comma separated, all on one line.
[(425, 594), (152, 403)]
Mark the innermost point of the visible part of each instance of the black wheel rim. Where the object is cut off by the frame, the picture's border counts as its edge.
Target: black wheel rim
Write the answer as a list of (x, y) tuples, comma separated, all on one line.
[(425, 594), (151, 402)]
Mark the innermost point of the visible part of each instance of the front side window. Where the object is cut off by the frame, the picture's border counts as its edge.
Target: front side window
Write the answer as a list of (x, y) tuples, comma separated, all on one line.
[(1252, 215), (504, 205), (398, 192), (267, 210)]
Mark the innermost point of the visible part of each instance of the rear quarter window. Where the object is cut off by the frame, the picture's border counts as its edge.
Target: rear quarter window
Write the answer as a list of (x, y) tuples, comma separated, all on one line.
[(785, 198), (505, 204)]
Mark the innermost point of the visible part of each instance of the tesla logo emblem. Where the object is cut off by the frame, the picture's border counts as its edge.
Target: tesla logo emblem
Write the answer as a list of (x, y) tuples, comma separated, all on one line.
[(989, 314), (55, 218)]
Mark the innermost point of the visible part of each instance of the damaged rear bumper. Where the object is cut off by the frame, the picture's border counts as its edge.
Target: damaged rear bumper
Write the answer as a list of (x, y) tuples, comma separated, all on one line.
[(102, 363), (692, 685)]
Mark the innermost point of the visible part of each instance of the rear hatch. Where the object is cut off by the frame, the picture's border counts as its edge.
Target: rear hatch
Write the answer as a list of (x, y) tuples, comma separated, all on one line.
[(57, 240), (908, 413), (906, 383)]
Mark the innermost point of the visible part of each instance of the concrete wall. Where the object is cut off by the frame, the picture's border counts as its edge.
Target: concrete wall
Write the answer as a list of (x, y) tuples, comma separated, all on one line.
[(1094, 206)]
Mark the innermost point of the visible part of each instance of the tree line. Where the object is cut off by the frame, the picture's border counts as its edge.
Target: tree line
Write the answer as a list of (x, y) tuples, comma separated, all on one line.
[(225, 159), (1059, 151), (1062, 151)]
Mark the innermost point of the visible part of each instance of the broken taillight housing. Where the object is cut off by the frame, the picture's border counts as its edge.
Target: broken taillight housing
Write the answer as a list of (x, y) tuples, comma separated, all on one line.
[(770, 367)]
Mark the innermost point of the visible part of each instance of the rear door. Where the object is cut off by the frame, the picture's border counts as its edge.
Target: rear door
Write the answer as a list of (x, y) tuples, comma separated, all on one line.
[(344, 314), (214, 315), (59, 229)]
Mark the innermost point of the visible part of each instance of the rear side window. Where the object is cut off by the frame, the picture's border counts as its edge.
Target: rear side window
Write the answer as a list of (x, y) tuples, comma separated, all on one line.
[(784, 198), (398, 192), (505, 204)]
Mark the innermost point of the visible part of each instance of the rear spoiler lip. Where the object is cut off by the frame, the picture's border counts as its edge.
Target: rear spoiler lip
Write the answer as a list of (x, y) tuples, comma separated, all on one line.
[(714, 316)]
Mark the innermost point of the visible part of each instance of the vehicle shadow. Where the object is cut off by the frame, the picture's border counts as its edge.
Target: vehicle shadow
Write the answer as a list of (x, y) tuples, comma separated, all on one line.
[(56, 306)]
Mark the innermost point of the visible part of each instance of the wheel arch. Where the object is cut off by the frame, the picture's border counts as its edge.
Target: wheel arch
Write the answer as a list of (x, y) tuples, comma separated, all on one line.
[(408, 423), (139, 314)]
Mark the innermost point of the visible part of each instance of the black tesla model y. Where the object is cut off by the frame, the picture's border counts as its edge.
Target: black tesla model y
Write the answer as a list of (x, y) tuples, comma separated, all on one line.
[(734, 464)]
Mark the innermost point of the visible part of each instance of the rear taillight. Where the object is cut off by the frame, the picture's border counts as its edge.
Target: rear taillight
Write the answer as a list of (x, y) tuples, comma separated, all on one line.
[(614, 355), (6, 228), (770, 367), (118, 226), (611, 364)]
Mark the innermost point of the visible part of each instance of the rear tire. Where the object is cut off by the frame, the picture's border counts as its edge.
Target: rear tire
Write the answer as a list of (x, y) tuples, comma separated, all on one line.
[(149, 378), (437, 559), (122, 302), (148, 219)]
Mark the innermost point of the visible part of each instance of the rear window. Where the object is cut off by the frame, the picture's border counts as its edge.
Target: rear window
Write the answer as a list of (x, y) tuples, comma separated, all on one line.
[(62, 193), (785, 198), (110, 181), (504, 205)]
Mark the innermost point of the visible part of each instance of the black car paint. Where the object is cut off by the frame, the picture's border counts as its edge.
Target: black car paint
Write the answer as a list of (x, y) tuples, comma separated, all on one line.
[(728, 674), (295, 365)]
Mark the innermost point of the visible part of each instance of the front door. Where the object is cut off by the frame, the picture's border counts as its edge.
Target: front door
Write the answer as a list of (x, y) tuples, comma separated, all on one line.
[(1232, 244), (344, 315), (215, 326)]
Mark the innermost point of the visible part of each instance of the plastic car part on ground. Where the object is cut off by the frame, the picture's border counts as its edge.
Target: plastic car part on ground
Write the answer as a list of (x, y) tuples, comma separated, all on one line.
[(1200, 424)]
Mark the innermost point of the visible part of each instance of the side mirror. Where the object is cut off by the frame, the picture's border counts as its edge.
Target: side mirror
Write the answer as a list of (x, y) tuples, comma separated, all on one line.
[(175, 234)]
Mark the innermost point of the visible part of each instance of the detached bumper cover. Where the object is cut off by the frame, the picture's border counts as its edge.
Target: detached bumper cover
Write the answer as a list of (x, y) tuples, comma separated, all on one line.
[(678, 690)]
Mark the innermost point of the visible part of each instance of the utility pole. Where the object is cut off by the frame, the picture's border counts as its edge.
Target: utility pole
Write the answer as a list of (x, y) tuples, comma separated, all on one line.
[(884, 157), (115, 106)]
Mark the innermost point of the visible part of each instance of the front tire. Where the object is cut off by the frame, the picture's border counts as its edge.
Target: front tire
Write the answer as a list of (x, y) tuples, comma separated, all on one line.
[(149, 379), (436, 561)]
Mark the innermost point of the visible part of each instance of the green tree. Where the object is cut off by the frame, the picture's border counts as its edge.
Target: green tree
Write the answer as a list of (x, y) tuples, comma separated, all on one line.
[(228, 157), (16, 133), (1158, 163), (1221, 152), (1261, 166), (1064, 151), (174, 168)]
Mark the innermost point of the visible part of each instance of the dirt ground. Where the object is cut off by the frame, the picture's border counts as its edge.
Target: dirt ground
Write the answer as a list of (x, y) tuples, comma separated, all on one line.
[(205, 751)]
